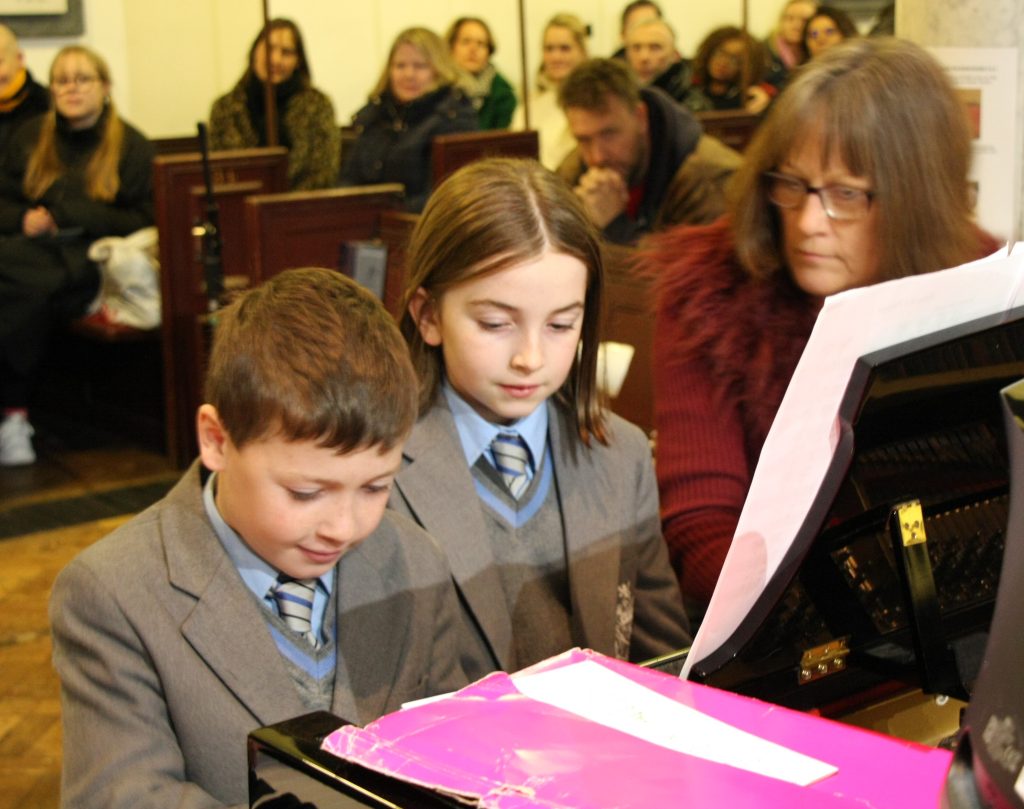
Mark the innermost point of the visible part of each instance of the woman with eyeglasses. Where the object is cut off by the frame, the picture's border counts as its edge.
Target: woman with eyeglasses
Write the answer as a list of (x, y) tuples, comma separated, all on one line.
[(838, 190), (728, 73), (827, 27), (71, 176)]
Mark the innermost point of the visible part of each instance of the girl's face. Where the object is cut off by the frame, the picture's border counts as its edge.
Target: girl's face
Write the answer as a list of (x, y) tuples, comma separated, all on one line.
[(562, 53), (78, 91), (822, 33), (726, 61), (410, 73), (508, 338)]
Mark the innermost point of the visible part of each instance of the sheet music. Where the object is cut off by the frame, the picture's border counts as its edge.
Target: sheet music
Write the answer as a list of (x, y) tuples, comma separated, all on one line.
[(802, 440)]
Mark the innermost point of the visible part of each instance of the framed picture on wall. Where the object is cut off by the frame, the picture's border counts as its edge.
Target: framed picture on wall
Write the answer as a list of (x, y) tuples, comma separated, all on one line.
[(43, 18)]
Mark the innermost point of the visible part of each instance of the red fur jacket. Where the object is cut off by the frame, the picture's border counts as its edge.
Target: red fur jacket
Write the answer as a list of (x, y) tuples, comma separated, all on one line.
[(725, 348), (724, 351)]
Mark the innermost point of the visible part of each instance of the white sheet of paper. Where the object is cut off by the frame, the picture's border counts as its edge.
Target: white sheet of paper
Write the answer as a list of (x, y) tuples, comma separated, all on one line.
[(802, 440), (590, 690)]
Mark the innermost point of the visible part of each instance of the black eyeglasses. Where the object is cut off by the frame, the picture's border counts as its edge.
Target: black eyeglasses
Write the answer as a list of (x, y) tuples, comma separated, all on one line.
[(841, 202)]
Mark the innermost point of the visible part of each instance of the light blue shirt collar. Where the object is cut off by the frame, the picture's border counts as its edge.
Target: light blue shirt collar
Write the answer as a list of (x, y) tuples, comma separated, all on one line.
[(259, 576), (476, 433)]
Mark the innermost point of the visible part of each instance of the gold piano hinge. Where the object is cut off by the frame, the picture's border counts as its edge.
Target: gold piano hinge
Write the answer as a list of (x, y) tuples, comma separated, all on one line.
[(821, 661), (911, 523)]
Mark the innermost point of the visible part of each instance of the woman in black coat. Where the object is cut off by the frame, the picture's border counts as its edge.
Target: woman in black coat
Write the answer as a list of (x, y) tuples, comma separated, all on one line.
[(415, 99)]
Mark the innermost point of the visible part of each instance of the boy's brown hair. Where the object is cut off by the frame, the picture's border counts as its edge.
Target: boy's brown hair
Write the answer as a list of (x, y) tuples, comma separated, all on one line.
[(311, 355)]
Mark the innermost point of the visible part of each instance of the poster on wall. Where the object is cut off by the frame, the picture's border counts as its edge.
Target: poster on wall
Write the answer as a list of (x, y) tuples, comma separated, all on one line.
[(986, 81), (43, 18)]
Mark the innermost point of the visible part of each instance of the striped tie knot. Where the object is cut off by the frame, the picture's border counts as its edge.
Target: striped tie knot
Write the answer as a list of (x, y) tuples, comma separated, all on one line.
[(294, 599), (512, 460)]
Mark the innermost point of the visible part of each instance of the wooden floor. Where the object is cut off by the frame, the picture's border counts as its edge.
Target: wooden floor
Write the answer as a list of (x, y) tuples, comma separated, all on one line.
[(30, 739)]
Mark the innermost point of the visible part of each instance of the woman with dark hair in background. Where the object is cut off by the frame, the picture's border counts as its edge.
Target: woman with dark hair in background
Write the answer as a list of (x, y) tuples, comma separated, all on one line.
[(68, 178), (829, 26), (415, 99), (728, 73), (472, 46), (838, 190), (305, 116)]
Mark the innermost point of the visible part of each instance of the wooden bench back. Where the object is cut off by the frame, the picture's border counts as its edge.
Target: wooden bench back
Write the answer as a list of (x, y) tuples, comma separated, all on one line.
[(734, 128), (179, 194), (452, 152)]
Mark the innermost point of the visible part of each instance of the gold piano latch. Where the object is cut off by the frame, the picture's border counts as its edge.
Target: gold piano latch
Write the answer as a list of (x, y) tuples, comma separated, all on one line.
[(911, 523), (821, 661)]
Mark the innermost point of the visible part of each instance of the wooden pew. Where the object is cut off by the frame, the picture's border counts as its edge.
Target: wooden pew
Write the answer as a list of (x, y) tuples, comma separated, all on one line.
[(309, 228), (451, 152), (179, 196), (629, 318), (734, 128)]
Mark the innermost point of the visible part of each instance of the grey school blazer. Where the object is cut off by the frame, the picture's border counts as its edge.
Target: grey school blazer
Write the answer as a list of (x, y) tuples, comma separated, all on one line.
[(624, 597), (166, 662)]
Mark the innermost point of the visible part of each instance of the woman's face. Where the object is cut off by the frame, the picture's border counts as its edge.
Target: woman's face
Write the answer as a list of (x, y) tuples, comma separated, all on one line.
[(825, 255), (78, 92), (471, 49), (726, 61), (410, 74), (822, 33), (284, 56), (562, 53), (794, 17)]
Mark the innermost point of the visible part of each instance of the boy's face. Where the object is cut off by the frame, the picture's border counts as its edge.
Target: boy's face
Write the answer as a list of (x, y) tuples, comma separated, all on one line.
[(298, 506)]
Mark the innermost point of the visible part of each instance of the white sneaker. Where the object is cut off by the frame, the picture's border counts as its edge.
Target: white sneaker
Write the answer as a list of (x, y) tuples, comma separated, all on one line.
[(16, 441)]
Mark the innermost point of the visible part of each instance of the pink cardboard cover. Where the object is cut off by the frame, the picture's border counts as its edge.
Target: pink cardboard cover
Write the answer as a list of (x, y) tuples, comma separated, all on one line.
[(494, 747)]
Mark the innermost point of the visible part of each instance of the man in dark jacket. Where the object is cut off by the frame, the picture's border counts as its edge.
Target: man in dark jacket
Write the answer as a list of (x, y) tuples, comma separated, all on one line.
[(651, 54), (21, 97), (641, 162)]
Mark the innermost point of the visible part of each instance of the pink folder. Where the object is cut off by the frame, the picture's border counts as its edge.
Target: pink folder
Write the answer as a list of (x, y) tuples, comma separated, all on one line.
[(495, 747)]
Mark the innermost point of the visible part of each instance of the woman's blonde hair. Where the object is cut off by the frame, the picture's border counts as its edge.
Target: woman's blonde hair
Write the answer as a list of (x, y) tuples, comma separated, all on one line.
[(579, 30), (102, 180), (433, 50), (489, 216), (887, 110)]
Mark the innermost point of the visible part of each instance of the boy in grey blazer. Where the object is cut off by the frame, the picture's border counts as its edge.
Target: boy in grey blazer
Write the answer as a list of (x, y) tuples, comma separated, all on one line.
[(179, 633)]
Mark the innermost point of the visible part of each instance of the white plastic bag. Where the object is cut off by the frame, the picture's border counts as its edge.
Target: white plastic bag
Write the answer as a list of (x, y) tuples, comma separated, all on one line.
[(130, 286)]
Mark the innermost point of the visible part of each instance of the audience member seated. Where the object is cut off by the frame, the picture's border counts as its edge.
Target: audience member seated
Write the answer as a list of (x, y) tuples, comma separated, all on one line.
[(513, 448), (415, 99), (306, 125), (786, 43), (632, 13), (271, 581), (728, 73), (839, 190), (21, 97), (641, 162), (651, 54), (829, 26), (67, 178), (472, 47), (564, 47)]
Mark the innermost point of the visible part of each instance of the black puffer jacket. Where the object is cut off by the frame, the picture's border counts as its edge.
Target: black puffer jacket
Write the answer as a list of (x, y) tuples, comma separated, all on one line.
[(393, 145)]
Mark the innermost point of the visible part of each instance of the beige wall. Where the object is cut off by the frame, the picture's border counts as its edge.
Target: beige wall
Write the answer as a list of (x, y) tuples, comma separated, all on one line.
[(170, 60)]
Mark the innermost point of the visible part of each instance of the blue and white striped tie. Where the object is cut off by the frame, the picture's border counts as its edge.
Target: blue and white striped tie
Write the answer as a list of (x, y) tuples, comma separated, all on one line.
[(512, 459), (294, 599)]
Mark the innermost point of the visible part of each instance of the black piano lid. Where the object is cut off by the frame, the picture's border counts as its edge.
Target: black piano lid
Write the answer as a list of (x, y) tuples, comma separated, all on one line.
[(919, 419)]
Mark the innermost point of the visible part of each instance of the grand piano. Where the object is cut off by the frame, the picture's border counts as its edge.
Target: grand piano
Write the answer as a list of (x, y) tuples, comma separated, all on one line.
[(889, 585)]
